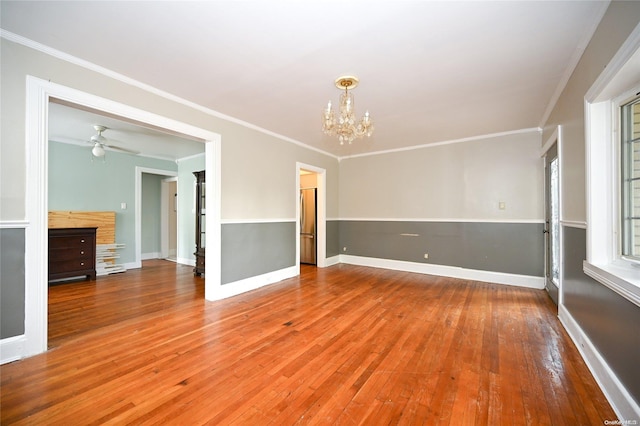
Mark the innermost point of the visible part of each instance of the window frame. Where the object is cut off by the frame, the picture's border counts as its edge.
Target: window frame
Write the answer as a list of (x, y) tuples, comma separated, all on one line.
[(617, 82), (605, 262), (625, 170)]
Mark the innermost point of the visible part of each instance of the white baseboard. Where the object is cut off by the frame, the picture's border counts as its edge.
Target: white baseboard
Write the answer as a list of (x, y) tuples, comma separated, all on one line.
[(621, 401), (185, 261), (181, 260), (447, 271), (149, 256), (252, 283), (133, 265), (12, 349), (330, 261)]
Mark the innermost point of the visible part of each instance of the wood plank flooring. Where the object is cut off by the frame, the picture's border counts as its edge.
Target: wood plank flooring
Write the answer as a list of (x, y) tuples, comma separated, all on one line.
[(343, 345)]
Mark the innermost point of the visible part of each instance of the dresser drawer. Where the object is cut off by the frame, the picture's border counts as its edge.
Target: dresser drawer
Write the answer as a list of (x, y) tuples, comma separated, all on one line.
[(71, 265), (71, 241), (85, 253)]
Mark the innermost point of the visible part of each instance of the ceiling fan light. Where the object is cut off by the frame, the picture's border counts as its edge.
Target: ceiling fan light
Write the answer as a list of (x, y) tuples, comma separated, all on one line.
[(97, 150)]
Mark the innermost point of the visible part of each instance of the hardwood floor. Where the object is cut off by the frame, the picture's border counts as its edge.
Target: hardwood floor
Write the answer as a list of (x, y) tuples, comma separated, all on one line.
[(342, 345)]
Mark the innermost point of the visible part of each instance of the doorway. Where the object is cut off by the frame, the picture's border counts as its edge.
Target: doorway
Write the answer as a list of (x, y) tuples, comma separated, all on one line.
[(308, 217), (39, 92), (314, 178), (169, 220), (152, 213), (552, 222)]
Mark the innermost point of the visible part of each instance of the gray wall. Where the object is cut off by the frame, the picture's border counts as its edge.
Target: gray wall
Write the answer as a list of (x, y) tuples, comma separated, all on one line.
[(11, 282), (251, 249), (515, 248), (610, 320), (333, 238)]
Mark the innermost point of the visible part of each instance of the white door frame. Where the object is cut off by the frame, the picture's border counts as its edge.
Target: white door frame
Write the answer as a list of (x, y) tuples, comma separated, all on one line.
[(138, 212), (39, 92), (166, 202), (554, 139), (321, 221)]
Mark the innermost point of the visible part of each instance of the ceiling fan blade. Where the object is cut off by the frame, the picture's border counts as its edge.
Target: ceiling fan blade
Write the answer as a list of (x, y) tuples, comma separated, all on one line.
[(117, 148)]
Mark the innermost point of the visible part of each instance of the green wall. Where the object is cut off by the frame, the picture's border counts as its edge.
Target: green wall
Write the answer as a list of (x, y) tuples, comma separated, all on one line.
[(78, 181)]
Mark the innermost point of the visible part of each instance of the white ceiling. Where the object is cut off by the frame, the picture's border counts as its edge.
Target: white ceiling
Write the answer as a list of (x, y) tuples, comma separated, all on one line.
[(69, 124), (430, 71)]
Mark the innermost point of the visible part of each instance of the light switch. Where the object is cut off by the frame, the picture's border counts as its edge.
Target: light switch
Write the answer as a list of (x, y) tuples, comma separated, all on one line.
[(502, 205), (123, 206)]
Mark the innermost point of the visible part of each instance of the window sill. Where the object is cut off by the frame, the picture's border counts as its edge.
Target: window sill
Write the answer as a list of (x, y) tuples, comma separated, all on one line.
[(623, 278)]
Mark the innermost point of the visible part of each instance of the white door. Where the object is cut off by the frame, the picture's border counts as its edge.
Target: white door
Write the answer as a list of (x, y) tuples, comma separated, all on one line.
[(552, 223)]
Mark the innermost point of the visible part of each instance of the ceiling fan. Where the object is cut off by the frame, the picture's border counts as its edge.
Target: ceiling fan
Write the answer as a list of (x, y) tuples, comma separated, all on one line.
[(99, 143)]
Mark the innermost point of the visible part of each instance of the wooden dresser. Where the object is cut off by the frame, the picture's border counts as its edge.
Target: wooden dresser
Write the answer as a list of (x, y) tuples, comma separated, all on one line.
[(72, 253)]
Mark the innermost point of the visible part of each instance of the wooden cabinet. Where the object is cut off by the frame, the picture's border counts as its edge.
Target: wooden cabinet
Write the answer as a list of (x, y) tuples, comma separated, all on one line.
[(72, 253), (200, 222)]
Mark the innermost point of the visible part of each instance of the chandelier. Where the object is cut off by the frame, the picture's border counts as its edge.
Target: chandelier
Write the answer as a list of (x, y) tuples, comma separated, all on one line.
[(345, 126)]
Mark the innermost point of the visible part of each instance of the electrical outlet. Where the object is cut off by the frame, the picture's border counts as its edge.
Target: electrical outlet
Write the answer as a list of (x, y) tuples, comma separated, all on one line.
[(426, 255), (344, 249)]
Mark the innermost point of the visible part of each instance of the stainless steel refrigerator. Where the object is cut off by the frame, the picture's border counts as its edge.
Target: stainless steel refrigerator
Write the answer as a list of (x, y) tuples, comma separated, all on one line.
[(308, 226)]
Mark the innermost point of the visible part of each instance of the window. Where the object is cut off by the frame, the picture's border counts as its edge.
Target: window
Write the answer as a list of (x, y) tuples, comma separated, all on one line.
[(613, 174), (630, 185)]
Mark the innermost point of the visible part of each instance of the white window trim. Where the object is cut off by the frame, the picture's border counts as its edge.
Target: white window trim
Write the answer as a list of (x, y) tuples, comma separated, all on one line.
[(602, 108)]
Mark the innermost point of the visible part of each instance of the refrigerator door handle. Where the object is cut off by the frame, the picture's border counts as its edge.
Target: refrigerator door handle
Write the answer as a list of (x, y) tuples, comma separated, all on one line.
[(301, 209)]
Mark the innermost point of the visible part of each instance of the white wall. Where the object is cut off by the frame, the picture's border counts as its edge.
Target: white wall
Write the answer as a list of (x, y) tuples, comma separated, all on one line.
[(260, 182), (248, 155), (460, 181)]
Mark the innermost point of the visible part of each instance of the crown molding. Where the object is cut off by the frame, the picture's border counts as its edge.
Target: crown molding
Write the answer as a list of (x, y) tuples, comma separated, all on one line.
[(132, 82), (449, 142)]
